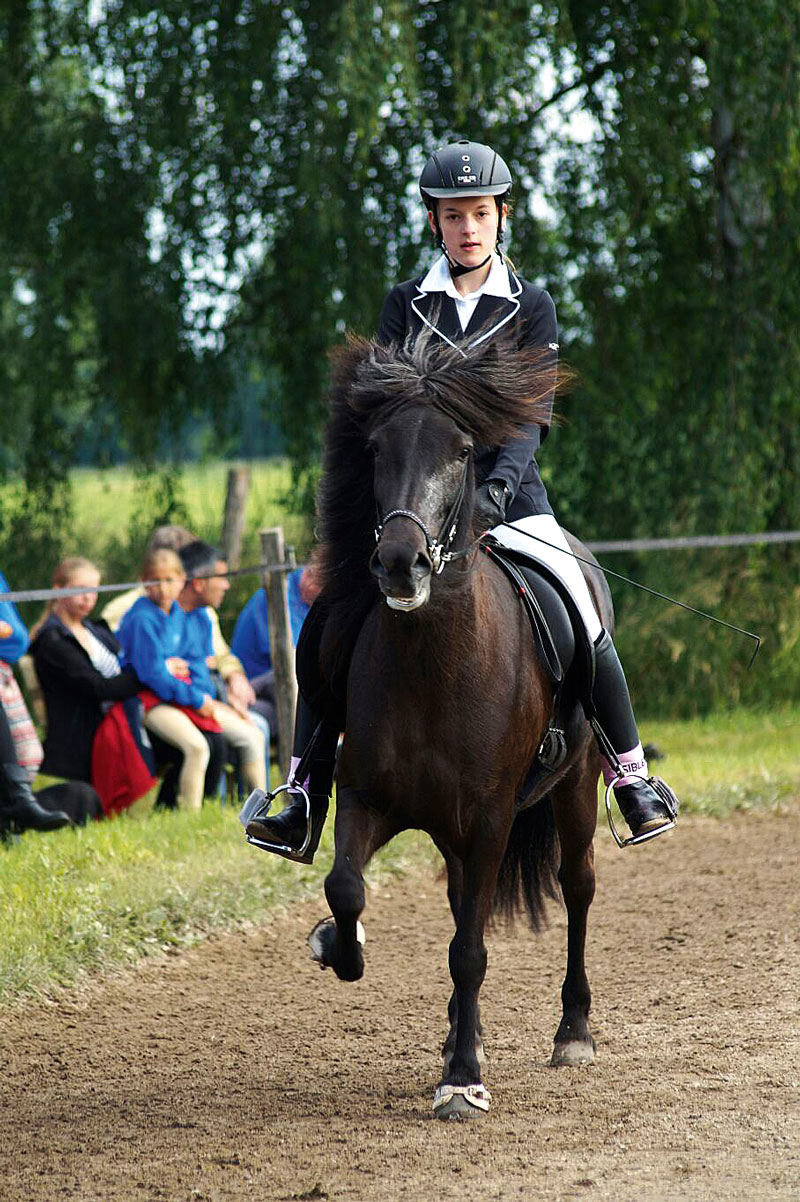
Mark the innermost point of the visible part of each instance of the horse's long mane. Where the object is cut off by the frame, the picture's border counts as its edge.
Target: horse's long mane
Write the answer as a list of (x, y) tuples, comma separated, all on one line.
[(491, 392)]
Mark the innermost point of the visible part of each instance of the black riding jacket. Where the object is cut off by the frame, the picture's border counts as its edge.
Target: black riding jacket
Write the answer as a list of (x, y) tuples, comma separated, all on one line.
[(531, 315)]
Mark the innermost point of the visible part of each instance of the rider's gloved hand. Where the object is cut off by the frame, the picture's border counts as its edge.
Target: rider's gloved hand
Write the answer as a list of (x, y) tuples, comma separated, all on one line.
[(491, 501)]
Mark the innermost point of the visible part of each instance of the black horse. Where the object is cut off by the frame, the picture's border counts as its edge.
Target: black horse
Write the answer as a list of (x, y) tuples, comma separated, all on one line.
[(446, 702)]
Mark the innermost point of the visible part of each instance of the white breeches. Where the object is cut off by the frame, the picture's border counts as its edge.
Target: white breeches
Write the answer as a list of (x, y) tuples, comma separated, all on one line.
[(176, 728), (550, 547)]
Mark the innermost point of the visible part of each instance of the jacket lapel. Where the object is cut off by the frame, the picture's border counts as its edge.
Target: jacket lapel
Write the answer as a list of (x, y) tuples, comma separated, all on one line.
[(491, 312), (437, 311)]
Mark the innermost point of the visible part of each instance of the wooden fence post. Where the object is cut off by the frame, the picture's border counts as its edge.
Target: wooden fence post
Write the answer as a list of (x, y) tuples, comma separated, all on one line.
[(233, 521), (280, 641)]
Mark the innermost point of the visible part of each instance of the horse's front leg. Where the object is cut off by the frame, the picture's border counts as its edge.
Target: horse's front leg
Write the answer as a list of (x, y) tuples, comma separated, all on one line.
[(455, 889), (575, 810), (461, 1093), (359, 832)]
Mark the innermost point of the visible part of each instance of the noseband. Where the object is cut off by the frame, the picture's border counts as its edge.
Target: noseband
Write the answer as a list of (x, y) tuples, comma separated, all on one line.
[(439, 547)]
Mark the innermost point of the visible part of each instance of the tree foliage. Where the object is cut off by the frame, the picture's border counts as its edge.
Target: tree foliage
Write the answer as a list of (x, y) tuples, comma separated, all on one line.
[(187, 187), (678, 226)]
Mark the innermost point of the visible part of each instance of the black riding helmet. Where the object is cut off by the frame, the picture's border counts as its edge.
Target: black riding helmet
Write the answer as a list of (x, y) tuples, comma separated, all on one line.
[(464, 169)]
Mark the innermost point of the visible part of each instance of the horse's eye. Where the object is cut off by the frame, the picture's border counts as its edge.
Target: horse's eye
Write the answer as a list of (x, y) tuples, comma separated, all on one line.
[(464, 453)]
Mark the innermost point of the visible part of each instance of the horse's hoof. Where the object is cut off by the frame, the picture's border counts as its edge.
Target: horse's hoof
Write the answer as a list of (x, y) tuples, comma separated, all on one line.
[(568, 1055), (461, 1101), (322, 938)]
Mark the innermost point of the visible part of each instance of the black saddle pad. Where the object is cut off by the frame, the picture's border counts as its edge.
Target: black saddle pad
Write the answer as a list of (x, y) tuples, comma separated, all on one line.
[(555, 619)]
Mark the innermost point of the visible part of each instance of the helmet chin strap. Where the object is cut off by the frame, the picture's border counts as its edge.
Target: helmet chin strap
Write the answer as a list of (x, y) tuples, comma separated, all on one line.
[(457, 269)]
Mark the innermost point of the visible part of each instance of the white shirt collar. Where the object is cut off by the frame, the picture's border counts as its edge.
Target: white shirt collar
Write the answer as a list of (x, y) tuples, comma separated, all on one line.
[(497, 282)]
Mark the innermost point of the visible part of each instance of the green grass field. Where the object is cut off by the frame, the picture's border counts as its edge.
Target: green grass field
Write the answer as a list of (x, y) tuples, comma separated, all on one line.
[(112, 513), (108, 500), (79, 904)]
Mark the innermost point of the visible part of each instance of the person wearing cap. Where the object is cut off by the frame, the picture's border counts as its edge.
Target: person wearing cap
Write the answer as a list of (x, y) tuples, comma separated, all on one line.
[(473, 293)]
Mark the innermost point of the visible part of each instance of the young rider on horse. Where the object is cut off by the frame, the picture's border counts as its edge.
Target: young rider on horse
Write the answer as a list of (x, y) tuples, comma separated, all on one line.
[(469, 295)]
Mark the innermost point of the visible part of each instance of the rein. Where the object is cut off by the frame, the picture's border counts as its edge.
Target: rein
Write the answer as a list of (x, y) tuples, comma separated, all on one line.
[(438, 547)]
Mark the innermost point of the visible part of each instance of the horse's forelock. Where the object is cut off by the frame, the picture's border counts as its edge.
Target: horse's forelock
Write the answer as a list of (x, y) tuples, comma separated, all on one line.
[(490, 392)]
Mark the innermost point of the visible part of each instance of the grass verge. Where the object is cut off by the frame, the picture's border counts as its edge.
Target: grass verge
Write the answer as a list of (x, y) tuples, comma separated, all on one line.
[(739, 760), (76, 904)]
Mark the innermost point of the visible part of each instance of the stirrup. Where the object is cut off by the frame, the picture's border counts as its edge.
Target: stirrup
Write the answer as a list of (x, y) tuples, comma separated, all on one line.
[(258, 806), (632, 840)]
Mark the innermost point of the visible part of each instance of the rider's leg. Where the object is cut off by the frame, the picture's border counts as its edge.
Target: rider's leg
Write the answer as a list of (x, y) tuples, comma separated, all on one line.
[(289, 828), (641, 798)]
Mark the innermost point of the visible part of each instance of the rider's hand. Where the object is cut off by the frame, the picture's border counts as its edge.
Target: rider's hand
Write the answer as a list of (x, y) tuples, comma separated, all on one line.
[(206, 710), (491, 500)]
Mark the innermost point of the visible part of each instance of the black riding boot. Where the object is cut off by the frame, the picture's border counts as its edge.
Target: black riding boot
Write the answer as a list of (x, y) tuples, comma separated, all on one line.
[(285, 833), (648, 805), (19, 809)]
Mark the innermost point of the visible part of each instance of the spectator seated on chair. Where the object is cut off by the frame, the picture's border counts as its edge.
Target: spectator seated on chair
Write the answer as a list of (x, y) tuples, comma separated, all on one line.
[(206, 585), (178, 709), (94, 731), (237, 687), (250, 640), (21, 752)]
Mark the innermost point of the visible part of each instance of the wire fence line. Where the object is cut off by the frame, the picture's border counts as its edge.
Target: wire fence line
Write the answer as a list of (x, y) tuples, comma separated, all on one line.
[(599, 547), (701, 540), (52, 594)]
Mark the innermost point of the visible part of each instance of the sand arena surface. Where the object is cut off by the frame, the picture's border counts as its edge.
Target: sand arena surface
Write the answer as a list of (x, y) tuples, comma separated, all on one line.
[(238, 1070)]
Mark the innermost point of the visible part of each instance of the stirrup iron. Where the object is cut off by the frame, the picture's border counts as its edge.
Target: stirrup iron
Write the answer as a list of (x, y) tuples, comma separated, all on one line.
[(258, 805), (634, 839)]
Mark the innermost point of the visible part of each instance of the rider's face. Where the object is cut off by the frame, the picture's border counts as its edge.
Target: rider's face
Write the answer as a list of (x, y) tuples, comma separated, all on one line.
[(469, 227)]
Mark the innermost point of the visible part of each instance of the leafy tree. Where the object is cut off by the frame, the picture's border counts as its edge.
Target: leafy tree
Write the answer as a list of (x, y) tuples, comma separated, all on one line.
[(675, 225), (186, 186)]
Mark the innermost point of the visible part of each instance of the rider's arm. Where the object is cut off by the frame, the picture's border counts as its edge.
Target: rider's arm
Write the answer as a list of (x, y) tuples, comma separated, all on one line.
[(392, 325), (540, 330)]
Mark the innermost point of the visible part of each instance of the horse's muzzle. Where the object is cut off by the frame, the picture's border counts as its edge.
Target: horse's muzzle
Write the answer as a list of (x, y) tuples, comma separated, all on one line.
[(403, 572)]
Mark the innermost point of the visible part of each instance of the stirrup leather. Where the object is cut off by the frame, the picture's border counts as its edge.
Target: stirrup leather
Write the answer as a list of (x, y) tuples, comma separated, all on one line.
[(258, 805)]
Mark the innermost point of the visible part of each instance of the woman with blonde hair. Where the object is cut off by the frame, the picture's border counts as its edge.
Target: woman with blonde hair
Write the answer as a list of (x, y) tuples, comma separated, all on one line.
[(153, 635), (93, 726)]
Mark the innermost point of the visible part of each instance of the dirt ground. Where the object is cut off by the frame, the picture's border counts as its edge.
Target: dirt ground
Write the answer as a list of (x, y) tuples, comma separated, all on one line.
[(239, 1070)]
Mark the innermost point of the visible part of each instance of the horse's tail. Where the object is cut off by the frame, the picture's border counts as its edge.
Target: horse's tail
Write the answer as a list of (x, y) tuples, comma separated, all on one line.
[(528, 872)]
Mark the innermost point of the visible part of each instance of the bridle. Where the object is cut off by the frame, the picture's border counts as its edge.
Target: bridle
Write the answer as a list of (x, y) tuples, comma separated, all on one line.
[(439, 547)]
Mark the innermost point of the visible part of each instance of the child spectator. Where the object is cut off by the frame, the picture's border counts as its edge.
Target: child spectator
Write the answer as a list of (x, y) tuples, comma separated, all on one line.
[(237, 686), (181, 712)]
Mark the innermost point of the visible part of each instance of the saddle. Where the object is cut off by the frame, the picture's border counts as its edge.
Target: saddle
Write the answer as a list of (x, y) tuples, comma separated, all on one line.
[(564, 650)]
